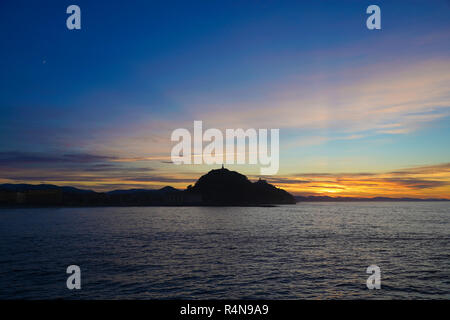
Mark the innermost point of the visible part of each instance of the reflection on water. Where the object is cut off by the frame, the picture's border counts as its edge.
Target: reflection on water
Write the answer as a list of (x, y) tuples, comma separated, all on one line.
[(304, 251)]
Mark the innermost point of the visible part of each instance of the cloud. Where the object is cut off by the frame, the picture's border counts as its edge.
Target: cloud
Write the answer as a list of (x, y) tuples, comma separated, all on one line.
[(404, 97), (434, 169), (17, 157), (422, 181), (105, 167), (388, 99)]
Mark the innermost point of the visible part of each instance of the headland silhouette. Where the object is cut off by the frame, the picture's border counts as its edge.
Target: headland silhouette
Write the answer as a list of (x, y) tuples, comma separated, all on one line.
[(220, 187)]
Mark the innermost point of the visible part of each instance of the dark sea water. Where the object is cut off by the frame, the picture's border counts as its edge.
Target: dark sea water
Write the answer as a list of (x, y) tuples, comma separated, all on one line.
[(303, 251)]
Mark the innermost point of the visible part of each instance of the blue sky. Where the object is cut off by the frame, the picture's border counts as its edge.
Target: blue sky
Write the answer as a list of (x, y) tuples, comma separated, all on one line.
[(346, 99)]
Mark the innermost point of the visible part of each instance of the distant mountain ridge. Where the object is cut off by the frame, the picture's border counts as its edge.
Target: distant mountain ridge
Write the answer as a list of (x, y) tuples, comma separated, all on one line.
[(355, 199), (128, 191), (28, 187), (51, 195)]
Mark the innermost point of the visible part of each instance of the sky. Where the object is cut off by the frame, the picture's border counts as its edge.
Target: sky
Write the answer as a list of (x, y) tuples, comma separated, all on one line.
[(361, 112)]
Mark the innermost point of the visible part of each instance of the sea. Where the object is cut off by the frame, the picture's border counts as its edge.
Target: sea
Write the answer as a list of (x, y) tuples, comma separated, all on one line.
[(310, 250)]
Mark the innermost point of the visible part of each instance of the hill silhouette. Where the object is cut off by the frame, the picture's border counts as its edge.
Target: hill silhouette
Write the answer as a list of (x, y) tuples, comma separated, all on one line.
[(225, 187)]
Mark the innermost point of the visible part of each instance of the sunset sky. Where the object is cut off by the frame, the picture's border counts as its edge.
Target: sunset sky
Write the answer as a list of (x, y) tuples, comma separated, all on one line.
[(361, 112)]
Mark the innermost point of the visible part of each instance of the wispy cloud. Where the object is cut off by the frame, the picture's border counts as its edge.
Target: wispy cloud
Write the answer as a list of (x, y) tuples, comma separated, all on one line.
[(16, 157), (423, 181), (390, 98), (404, 97)]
